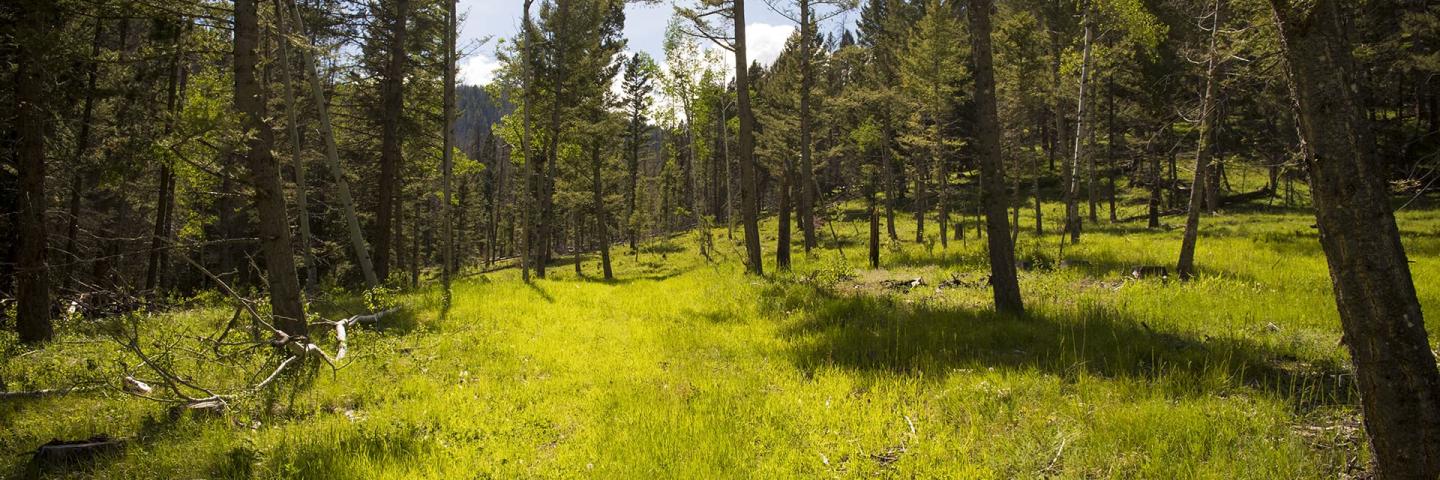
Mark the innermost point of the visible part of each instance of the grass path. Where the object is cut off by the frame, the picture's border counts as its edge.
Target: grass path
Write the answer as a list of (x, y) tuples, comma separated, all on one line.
[(683, 369)]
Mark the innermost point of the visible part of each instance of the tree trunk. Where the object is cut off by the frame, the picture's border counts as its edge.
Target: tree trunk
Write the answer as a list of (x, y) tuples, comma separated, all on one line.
[(1110, 146), (1155, 190), (285, 302), (782, 236), (807, 166), (447, 155), (992, 170), (874, 235), (602, 224), (292, 127), (697, 200), (892, 187), (1072, 204), (165, 194), (1035, 182), (392, 105), (32, 273), (527, 235), (1384, 328), (332, 154), (750, 205), (82, 150), (1186, 267)]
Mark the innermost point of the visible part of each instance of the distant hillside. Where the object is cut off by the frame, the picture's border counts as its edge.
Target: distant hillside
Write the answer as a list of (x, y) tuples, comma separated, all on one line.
[(477, 112)]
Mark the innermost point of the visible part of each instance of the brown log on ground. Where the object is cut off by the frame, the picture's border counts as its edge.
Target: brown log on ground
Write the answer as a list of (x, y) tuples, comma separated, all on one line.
[(264, 173), (1003, 280), (1394, 368)]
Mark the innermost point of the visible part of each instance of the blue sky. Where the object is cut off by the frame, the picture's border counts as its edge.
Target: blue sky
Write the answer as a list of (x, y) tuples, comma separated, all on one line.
[(644, 27)]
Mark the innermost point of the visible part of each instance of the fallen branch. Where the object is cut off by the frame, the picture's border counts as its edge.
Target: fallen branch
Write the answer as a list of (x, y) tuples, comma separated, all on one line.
[(46, 392), (58, 452), (340, 326)]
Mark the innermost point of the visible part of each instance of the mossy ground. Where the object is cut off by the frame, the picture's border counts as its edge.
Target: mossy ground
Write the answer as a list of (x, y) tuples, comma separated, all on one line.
[(683, 368)]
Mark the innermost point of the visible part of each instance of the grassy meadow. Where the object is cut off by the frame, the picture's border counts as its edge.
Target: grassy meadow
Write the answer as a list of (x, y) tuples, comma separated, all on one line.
[(687, 368)]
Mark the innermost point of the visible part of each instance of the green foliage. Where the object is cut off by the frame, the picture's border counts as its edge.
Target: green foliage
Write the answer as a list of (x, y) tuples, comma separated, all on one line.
[(380, 298)]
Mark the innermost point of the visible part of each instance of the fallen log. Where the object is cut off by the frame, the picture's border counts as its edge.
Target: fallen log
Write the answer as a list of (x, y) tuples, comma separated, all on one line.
[(46, 392), (57, 452)]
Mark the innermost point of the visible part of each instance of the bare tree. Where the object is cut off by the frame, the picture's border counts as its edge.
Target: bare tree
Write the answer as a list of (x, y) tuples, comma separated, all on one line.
[(332, 154)]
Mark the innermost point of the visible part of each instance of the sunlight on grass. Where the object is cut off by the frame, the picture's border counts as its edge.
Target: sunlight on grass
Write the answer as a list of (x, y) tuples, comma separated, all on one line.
[(687, 369)]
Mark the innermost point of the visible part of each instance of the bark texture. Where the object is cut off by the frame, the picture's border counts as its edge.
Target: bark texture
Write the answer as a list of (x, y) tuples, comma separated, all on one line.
[(1394, 368), (264, 175), (1003, 280)]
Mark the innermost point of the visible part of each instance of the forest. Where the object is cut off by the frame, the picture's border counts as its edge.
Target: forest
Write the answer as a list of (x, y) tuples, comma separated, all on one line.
[(917, 239)]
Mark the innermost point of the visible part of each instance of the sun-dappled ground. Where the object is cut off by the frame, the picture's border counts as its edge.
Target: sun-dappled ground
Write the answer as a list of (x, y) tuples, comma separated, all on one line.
[(682, 368)]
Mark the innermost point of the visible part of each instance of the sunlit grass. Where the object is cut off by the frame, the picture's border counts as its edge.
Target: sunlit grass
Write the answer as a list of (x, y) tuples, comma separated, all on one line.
[(686, 369)]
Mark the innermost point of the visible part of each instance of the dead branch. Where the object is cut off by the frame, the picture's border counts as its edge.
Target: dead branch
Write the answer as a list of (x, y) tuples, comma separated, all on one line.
[(46, 392)]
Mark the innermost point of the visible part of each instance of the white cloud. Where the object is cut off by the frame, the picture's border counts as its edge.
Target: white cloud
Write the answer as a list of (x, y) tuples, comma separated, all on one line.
[(478, 70), (764, 42)]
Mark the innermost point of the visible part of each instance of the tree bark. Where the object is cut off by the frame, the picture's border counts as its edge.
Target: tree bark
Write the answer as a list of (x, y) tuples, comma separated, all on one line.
[(264, 173), (1005, 284), (602, 224), (1072, 204), (807, 166), (782, 236), (32, 273), (749, 203), (1384, 328), (447, 157), (1186, 266), (392, 104)]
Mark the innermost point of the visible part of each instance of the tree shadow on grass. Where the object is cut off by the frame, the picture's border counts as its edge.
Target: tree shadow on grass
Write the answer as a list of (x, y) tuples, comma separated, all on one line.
[(877, 334)]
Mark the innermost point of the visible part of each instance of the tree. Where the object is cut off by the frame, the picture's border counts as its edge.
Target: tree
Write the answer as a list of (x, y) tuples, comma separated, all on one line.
[(637, 84), (930, 73), (285, 302), (808, 18), (1186, 266), (734, 12), (1003, 280), (332, 154), (447, 153), (1072, 201), (394, 16), (32, 91), (1395, 369), (682, 83)]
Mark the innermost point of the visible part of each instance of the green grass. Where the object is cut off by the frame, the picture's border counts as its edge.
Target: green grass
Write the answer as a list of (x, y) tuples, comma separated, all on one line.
[(688, 369)]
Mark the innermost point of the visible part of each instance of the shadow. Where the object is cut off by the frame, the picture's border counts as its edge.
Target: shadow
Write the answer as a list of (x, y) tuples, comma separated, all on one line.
[(881, 335), (544, 295), (137, 440)]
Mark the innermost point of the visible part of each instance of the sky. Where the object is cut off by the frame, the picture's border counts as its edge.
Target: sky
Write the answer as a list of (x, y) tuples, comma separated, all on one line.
[(644, 28)]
